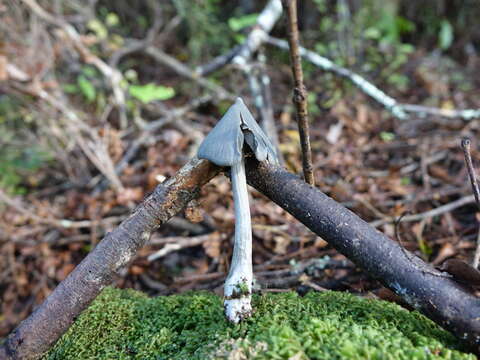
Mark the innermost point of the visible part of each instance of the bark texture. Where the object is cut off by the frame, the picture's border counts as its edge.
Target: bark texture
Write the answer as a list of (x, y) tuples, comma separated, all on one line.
[(45, 325), (432, 292)]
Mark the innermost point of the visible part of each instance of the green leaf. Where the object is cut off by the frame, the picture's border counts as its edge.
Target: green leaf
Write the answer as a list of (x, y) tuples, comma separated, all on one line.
[(87, 88), (387, 136), (89, 71), (405, 181), (151, 92), (70, 88), (372, 33), (445, 36), (98, 28), (112, 19), (239, 23)]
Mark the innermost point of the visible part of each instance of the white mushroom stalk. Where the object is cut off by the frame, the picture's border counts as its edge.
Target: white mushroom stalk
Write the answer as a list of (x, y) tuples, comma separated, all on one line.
[(224, 147), (238, 286)]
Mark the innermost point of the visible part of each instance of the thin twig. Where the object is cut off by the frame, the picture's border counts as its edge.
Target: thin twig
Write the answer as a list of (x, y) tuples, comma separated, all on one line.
[(299, 92), (428, 214), (476, 192), (471, 170), (178, 242), (466, 114)]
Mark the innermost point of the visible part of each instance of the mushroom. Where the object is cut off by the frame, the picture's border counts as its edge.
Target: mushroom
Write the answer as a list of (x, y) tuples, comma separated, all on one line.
[(224, 147)]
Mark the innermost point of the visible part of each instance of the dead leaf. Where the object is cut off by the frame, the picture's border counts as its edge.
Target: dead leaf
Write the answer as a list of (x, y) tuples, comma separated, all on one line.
[(130, 195), (445, 252), (3, 68), (281, 244), (193, 213), (212, 247)]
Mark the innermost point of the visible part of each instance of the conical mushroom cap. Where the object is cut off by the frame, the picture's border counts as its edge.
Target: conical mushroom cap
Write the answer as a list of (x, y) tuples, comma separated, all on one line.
[(224, 144)]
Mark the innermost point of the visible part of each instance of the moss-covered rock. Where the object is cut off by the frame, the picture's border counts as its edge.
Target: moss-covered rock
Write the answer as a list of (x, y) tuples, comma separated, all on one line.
[(125, 324)]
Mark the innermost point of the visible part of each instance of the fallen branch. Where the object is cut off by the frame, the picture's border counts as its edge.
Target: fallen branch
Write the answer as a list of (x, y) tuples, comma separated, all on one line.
[(397, 109), (45, 325), (441, 299), (176, 243)]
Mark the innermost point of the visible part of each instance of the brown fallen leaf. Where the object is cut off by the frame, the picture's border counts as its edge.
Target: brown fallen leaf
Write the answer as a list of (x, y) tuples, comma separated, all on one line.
[(130, 194), (193, 213), (447, 250), (462, 272)]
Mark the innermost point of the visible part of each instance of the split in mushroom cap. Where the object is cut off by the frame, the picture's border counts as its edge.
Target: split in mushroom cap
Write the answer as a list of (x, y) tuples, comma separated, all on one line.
[(224, 144)]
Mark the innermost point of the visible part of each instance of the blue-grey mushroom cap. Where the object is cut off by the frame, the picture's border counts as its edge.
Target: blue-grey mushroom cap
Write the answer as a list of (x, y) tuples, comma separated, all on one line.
[(224, 144)]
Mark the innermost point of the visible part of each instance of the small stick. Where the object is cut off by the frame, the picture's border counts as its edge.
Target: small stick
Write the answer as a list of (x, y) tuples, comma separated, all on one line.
[(476, 192), (299, 92), (471, 170)]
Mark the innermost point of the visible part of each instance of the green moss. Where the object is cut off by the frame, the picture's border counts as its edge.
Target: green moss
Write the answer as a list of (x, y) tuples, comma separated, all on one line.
[(125, 324)]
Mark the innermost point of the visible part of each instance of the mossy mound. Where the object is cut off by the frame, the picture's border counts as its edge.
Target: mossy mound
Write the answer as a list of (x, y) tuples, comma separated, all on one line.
[(125, 324)]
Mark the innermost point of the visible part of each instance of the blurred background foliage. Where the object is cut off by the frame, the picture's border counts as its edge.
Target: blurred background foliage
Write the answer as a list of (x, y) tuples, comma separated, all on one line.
[(375, 38)]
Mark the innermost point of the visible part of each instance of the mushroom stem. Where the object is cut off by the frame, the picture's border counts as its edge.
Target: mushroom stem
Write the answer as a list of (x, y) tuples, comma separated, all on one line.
[(238, 286)]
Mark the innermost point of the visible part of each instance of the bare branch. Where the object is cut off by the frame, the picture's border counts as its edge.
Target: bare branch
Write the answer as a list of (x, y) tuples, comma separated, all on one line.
[(430, 213), (471, 170), (299, 91), (476, 192)]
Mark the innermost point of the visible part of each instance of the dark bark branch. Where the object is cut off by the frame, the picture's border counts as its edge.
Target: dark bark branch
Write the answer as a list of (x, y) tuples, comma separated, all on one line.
[(46, 324), (432, 292), (299, 91)]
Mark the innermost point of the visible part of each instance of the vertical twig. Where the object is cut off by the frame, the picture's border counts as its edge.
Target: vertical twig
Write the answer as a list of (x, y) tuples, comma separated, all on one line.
[(299, 92), (476, 191)]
